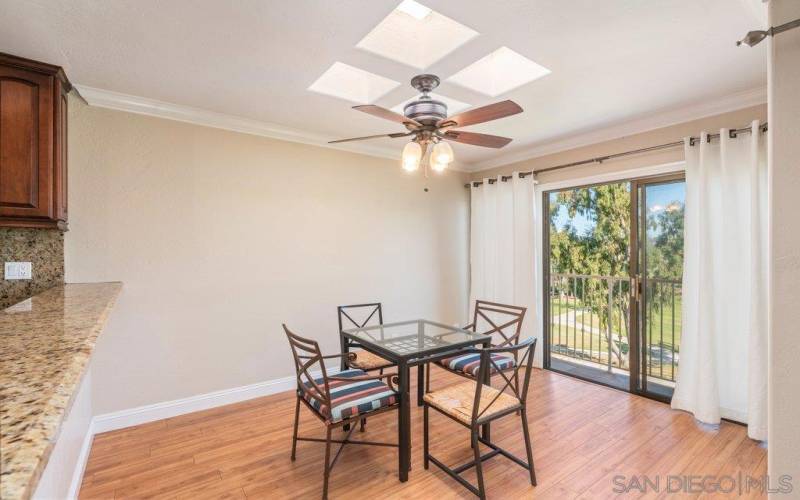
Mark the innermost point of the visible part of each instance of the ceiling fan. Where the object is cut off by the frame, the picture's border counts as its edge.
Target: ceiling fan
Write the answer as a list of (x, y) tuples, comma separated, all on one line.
[(426, 120)]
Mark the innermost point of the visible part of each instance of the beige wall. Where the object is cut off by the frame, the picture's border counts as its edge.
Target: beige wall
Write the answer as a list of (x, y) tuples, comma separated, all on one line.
[(219, 237), (737, 119), (784, 116)]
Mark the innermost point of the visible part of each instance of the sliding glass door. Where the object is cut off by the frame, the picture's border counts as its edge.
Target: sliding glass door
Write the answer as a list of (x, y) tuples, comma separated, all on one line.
[(658, 272), (613, 267)]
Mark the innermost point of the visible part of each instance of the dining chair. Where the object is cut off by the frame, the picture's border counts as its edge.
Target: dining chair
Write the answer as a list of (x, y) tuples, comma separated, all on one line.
[(373, 315), (338, 400), (474, 404), (503, 323)]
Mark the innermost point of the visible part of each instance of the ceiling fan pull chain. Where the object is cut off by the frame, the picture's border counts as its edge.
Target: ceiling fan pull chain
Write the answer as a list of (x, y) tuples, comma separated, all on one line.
[(426, 177)]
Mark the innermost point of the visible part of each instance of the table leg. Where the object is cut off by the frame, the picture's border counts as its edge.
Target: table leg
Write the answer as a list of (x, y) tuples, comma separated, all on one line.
[(486, 429), (420, 383), (404, 422)]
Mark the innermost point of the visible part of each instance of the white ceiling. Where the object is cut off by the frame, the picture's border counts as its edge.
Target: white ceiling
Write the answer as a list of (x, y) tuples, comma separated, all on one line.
[(612, 61)]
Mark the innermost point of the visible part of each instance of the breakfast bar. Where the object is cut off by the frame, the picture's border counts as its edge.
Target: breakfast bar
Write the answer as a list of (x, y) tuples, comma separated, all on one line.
[(45, 345)]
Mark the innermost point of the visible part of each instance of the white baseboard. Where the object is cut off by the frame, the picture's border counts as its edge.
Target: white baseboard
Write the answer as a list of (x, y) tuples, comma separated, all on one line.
[(80, 466), (158, 411)]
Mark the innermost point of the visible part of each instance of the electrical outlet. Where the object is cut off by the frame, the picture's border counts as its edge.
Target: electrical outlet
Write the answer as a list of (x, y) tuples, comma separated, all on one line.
[(18, 270)]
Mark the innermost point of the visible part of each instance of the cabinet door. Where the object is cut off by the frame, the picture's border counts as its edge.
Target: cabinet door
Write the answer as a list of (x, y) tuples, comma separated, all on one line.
[(26, 144)]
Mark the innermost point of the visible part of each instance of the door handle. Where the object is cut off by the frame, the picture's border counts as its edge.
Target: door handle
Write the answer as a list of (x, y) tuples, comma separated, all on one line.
[(636, 288)]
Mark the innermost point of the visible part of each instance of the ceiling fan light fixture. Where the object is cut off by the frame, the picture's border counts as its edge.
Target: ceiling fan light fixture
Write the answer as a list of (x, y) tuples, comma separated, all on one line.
[(412, 154), (442, 153), (426, 120), (437, 166)]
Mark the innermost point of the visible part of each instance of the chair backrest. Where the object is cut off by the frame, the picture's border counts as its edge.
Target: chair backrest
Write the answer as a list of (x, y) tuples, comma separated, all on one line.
[(502, 322), (511, 379), (360, 315), (307, 356)]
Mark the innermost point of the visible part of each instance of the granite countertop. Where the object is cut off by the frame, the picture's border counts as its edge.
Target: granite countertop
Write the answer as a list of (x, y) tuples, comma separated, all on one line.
[(45, 345)]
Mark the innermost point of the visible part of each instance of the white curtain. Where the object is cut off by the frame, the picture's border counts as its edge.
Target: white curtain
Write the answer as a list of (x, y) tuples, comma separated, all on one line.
[(723, 358), (502, 251)]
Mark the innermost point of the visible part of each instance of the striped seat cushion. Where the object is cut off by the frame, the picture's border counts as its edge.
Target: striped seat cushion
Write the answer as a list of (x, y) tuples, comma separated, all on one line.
[(349, 399), (470, 363)]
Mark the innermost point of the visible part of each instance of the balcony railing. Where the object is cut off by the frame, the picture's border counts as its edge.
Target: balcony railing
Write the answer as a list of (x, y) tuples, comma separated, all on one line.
[(589, 322), (662, 328)]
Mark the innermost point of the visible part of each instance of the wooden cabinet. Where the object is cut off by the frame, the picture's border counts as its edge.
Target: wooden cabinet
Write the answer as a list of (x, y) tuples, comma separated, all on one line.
[(33, 144)]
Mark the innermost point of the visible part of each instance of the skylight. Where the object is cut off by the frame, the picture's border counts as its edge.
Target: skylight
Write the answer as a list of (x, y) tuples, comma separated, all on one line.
[(415, 35), (353, 84), (499, 72), (414, 9), (453, 105)]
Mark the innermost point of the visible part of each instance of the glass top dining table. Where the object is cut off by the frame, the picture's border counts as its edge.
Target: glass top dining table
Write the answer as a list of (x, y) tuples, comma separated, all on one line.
[(408, 340), (412, 343)]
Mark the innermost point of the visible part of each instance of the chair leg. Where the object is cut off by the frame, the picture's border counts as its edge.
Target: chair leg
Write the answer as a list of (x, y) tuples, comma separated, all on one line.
[(296, 423), (528, 448), (428, 377), (363, 424), (327, 464), (486, 428), (478, 466), (425, 452)]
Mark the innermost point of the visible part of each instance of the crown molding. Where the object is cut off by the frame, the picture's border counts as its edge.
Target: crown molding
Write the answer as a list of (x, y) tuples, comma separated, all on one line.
[(187, 114), (160, 109), (653, 121), (151, 107)]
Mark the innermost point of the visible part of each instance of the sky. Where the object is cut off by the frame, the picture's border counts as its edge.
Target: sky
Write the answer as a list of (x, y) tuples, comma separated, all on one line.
[(659, 197)]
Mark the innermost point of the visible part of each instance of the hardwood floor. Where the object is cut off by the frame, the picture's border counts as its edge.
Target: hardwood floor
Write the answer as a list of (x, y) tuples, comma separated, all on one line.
[(584, 436)]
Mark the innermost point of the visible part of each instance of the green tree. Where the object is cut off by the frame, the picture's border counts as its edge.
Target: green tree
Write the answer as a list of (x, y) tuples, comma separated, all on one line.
[(665, 242), (602, 249)]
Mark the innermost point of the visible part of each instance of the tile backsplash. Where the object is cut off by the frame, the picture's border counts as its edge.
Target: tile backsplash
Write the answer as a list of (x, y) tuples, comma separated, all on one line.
[(44, 248)]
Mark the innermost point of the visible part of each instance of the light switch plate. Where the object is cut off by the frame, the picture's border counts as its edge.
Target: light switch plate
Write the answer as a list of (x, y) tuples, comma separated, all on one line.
[(18, 270)]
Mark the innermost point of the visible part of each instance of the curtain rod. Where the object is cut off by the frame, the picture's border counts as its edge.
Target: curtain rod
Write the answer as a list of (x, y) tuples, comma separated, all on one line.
[(732, 133)]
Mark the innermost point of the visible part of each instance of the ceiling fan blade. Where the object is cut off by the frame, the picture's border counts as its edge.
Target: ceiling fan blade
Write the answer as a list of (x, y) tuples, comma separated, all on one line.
[(387, 114), (485, 140), (482, 114), (391, 136)]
